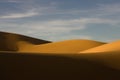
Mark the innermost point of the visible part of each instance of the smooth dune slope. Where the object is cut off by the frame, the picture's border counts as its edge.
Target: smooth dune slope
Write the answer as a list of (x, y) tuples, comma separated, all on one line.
[(110, 59), (110, 47), (15, 66), (8, 41), (109, 54), (68, 46)]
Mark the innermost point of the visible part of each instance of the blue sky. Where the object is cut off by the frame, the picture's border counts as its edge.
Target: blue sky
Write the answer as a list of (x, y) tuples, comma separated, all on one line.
[(57, 20)]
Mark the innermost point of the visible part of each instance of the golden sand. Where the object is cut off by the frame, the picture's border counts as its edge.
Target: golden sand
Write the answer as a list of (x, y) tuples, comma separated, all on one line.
[(106, 54), (68, 46), (110, 47)]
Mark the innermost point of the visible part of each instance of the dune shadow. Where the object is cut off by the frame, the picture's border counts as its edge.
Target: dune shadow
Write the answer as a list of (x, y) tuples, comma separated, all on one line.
[(15, 66), (8, 41)]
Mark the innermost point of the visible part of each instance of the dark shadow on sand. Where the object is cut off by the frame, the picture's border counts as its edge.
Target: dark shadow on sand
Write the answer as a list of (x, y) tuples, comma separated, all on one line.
[(15, 66), (8, 41)]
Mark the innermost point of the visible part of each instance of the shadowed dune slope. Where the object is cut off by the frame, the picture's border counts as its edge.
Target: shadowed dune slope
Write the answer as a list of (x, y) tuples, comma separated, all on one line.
[(8, 41), (53, 67), (111, 59), (110, 47), (68, 46)]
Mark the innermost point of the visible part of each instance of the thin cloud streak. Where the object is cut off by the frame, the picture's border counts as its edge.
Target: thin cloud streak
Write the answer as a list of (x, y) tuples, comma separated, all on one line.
[(100, 11), (19, 15), (57, 27)]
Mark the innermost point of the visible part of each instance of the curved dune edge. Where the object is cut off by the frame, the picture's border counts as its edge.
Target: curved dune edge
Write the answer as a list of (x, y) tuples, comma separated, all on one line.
[(109, 54), (68, 46), (110, 47), (8, 41), (111, 59)]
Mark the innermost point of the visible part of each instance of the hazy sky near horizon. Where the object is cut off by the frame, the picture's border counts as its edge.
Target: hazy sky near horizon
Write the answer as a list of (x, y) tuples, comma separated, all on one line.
[(57, 20)]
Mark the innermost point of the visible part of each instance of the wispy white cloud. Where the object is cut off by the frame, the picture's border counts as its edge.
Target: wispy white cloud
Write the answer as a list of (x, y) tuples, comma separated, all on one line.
[(24, 8), (15, 1), (61, 37), (18, 15), (27, 11), (112, 8), (52, 9), (104, 10), (86, 21), (101, 10), (58, 28)]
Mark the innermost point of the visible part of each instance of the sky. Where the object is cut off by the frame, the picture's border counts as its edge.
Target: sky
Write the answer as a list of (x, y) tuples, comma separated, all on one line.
[(57, 20)]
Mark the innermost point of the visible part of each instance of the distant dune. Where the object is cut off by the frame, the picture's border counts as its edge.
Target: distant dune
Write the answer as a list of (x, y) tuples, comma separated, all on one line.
[(110, 47), (8, 41), (68, 46)]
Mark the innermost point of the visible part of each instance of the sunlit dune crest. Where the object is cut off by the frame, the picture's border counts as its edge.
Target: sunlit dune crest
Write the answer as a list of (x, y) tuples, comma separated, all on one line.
[(108, 54), (110, 47), (68, 46)]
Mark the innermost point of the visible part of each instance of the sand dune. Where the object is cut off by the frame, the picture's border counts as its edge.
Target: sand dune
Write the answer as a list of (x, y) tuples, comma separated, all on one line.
[(110, 47), (70, 59), (109, 54), (68, 46), (8, 41), (110, 59), (15, 66)]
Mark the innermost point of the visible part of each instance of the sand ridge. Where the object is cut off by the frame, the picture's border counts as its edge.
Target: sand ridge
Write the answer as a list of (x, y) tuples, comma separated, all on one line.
[(68, 46), (8, 41), (109, 54), (110, 47)]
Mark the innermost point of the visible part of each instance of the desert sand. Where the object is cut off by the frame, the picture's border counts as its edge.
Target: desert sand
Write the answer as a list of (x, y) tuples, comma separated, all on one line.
[(68, 46), (110, 47), (25, 58), (109, 54), (8, 41), (56, 67)]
